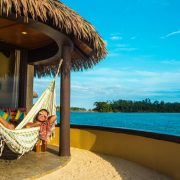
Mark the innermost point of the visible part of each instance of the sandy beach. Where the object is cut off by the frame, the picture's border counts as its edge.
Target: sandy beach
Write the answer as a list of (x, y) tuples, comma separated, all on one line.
[(88, 165)]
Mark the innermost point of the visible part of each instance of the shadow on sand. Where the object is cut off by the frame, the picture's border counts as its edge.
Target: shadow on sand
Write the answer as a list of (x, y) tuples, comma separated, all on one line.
[(30, 165)]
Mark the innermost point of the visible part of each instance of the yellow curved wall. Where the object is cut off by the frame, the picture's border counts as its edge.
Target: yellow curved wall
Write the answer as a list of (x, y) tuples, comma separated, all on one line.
[(160, 155), (5, 65)]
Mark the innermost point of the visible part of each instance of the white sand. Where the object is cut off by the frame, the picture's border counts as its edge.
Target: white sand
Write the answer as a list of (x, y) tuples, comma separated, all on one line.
[(87, 165)]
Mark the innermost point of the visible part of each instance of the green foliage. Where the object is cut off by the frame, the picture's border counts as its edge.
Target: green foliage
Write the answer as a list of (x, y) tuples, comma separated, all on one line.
[(103, 107), (78, 109), (136, 106), (58, 109)]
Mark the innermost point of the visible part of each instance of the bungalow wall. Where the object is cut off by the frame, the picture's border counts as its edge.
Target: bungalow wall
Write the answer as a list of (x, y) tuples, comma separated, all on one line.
[(16, 78)]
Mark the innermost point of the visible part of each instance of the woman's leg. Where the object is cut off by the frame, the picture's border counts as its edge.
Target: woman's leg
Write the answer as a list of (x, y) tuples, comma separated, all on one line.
[(6, 124)]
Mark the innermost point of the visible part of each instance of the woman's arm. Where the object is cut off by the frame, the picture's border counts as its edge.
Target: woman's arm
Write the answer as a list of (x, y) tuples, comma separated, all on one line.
[(29, 125), (52, 119)]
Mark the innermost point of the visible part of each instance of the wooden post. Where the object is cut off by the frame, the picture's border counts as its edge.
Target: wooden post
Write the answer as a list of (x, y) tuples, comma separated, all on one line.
[(23, 78), (29, 92), (64, 144)]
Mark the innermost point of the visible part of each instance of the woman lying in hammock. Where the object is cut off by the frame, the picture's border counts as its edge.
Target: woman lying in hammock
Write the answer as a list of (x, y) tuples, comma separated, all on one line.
[(41, 118)]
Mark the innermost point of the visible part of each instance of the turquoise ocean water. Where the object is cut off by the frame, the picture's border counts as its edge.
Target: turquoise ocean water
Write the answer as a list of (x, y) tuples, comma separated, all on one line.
[(164, 123)]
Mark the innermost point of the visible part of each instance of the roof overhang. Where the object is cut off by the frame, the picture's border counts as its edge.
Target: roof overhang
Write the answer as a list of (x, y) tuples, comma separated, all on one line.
[(88, 46)]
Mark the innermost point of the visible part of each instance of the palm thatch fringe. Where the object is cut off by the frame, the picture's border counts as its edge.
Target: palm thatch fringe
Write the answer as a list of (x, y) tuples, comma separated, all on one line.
[(76, 65)]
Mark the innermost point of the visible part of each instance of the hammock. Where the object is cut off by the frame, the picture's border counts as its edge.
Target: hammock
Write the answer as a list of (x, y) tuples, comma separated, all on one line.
[(21, 140)]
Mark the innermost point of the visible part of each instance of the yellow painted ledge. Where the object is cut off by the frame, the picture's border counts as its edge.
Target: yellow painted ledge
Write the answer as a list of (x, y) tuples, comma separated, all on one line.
[(160, 155)]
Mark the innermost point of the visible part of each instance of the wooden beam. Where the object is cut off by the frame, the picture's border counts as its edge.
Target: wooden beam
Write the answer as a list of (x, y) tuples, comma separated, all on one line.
[(64, 144), (8, 26), (40, 55), (80, 52)]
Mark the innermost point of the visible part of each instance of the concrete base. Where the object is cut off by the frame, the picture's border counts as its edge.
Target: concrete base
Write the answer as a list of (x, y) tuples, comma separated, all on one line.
[(31, 165)]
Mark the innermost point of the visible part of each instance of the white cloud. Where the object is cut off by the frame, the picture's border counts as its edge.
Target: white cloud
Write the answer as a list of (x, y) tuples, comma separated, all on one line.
[(170, 34), (171, 62), (146, 73), (111, 84), (119, 49), (113, 54), (116, 38)]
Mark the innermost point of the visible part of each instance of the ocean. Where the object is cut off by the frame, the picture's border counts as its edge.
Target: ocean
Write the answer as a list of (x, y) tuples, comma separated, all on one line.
[(164, 123)]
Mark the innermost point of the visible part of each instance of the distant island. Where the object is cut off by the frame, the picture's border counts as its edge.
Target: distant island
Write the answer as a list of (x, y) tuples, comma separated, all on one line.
[(136, 106), (130, 106), (76, 109)]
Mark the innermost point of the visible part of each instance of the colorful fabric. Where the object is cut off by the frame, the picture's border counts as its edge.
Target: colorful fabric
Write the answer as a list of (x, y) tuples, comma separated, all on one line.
[(1, 113), (5, 115), (19, 115), (46, 129)]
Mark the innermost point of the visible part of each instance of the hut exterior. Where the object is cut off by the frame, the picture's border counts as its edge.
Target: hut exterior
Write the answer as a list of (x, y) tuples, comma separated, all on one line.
[(34, 36)]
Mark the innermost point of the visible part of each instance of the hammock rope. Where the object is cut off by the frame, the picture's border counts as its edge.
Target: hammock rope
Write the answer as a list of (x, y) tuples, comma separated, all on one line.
[(21, 140), (60, 63)]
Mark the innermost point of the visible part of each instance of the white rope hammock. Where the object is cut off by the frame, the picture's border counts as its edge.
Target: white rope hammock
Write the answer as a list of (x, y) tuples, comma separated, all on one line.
[(21, 140)]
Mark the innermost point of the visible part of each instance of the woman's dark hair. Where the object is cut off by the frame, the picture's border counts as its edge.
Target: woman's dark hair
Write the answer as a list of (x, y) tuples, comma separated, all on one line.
[(44, 110), (40, 111)]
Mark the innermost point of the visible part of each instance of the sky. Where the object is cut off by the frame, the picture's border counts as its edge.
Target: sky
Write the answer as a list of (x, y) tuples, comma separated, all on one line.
[(143, 61)]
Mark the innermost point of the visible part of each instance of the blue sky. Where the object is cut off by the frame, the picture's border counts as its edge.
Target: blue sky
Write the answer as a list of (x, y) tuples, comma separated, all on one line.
[(143, 41)]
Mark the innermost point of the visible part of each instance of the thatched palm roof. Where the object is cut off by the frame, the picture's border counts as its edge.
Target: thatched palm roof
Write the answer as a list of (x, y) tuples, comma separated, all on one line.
[(61, 17)]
